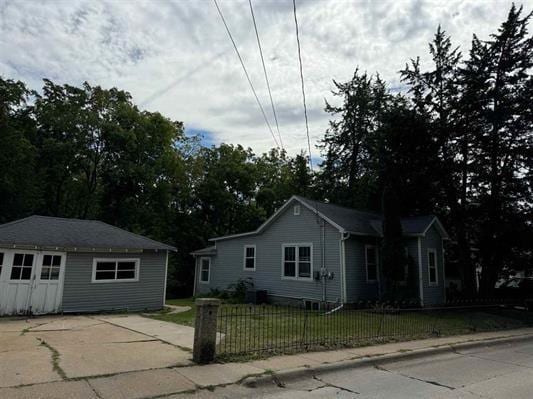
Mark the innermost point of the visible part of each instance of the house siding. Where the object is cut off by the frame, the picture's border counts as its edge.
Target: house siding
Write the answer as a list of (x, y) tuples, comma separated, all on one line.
[(227, 265), (357, 288), (433, 295), (81, 295)]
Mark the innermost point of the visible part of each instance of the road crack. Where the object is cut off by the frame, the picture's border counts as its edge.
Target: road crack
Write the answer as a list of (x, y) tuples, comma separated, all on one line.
[(378, 367), (327, 384)]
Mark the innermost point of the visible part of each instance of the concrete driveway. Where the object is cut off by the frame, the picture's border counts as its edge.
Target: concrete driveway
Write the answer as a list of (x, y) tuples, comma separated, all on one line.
[(46, 349)]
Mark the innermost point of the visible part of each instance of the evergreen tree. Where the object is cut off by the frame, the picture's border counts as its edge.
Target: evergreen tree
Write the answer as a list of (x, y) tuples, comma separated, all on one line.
[(500, 88)]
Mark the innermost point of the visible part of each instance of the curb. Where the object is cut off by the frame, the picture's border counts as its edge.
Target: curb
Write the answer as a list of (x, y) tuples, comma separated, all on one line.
[(279, 377)]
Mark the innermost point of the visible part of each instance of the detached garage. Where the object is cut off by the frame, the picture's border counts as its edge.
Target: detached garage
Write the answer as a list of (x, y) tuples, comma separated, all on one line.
[(52, 265)]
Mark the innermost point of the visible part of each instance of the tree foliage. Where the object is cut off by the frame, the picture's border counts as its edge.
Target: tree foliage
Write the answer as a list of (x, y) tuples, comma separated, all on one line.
[(457, 143)]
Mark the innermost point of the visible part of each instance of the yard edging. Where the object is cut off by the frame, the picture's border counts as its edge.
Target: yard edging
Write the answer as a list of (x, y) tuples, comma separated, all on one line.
[(281, 376)]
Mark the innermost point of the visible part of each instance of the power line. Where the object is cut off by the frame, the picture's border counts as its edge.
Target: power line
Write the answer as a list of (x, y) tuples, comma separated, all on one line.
[(246, 72), (265, 72), (302, 80)]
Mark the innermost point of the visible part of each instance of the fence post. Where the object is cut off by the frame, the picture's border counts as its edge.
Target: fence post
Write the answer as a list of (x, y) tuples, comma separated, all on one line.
[(205, 330)]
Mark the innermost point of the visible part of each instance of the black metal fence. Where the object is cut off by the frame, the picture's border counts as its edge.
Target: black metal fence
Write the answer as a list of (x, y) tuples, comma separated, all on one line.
[(267, 329)]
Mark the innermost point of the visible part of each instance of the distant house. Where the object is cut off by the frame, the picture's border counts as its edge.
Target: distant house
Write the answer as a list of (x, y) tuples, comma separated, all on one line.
[(51, 265), (312, 251)]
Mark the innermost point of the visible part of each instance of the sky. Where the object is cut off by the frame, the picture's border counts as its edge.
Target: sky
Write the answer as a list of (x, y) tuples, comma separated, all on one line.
[(174, 56)]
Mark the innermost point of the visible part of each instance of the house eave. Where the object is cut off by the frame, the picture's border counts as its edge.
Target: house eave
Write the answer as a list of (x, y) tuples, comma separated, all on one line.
[(33, 247)]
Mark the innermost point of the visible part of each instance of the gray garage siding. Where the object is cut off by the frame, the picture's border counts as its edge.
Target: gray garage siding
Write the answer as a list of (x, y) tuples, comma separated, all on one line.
[(81, 295), (227, 265), (433, 295)]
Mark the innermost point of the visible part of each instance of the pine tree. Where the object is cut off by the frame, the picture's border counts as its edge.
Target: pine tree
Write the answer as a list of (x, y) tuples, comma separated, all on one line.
[(500, 88)]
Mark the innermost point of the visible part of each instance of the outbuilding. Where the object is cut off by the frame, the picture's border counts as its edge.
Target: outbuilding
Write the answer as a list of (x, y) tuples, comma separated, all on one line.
[(52, 265)]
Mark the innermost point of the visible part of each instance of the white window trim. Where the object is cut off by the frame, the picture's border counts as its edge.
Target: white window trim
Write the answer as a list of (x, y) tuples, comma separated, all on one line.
[(12, 265), (297, 255), (209, 271), (249, 269), (366, 263), (433, 283), (296, 210), (126, 280)]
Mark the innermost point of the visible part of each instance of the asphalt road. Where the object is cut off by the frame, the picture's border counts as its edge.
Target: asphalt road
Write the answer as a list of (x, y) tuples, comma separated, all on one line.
[(490, 372)]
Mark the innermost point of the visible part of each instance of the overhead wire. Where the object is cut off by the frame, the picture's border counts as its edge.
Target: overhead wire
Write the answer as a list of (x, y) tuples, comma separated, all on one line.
[(265, 73), (302, 82), (246, 73)]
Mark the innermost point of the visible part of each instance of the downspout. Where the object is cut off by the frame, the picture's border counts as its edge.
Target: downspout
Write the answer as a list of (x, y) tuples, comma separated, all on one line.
[(344, 237), (443, 269), (166, 277), (420, 276), (323, 269), (195, 274)]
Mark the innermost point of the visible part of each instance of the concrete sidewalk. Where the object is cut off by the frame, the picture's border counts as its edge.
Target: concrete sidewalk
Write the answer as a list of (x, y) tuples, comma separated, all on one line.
[(174, 380)]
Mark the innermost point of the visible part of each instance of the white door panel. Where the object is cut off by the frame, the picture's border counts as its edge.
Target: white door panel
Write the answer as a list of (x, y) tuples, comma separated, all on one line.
[(24, 285), (48, 286)]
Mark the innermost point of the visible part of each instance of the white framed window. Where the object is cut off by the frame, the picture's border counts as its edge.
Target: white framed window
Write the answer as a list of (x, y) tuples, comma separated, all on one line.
[(205, 270), (108, 270), (51, 267), (22, 266), (249, 258), (1, 263), (296, 210), (432, 267), (371, 260), (297, 261)]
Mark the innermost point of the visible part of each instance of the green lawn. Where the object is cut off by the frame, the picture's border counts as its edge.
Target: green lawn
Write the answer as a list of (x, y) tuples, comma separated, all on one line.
[(266, 330), (185, 318)]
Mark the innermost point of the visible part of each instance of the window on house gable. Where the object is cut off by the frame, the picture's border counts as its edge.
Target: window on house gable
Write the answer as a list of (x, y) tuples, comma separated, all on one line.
[(371, 263), (297, 261), (249, 257), (205, 269), (432, 267), (296, 210), (22, 267)]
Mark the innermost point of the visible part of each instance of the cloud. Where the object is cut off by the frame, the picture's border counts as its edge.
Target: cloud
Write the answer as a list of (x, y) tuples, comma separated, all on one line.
[(175, 57)]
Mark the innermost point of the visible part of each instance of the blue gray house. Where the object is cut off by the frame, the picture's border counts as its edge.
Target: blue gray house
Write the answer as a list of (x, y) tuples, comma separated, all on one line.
[(319, 252), (51, 265)]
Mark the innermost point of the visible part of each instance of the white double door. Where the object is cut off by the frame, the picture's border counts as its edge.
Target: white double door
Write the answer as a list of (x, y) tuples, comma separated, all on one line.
[(31, 282)]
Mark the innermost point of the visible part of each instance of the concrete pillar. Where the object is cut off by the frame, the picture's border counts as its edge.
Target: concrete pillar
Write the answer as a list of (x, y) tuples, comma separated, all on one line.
[(205, 330)]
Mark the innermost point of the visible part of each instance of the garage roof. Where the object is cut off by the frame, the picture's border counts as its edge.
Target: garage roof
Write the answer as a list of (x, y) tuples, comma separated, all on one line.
[(73, 234)]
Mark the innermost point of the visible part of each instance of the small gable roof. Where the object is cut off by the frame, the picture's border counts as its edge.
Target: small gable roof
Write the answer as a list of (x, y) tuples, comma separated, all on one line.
[(207, 251), (74, 234), (353, 221)]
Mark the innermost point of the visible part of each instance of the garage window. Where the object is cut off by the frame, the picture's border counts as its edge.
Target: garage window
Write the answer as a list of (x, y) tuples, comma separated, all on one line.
[(115, 270), (51, 267), (22, 267)]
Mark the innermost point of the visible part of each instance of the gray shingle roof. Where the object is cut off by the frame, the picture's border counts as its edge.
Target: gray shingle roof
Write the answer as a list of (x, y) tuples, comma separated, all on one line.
[(364, 222), (212, 250), (44, 231), (349, 219)]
